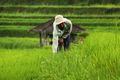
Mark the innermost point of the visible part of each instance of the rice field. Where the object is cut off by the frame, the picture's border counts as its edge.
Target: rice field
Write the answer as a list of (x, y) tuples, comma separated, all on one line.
[(22, 58), (61, 9), (96, 59)]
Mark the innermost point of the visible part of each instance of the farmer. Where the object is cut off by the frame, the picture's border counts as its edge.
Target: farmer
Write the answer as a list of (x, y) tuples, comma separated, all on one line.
[(62, 28)]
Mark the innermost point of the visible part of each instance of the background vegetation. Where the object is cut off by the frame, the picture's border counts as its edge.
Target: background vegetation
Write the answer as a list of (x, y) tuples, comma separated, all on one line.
[(62, 2), (22, 58)]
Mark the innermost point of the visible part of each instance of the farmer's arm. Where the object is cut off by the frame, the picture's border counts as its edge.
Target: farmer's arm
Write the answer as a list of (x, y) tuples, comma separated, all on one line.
[(70, 23), (55, 39), (68, 29)]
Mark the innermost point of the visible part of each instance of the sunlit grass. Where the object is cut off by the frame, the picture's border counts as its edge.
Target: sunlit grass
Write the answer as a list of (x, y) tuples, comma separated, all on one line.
[(63, 6), (96, 59)]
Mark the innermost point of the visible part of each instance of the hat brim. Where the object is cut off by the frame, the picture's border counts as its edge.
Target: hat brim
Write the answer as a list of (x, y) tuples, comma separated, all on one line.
[(61, 21)]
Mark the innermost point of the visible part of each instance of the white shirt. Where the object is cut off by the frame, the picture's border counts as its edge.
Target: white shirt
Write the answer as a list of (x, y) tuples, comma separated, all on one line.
[(57, 33)]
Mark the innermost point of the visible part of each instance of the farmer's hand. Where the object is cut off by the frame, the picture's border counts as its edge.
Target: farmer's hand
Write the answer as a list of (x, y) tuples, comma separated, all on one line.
[(61, 40)]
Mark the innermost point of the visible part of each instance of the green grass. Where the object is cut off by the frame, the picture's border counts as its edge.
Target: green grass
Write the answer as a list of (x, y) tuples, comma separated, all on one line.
[(62, 6), (86, 22), (22, 58), (44, 20), (66, 14), (78, 23), (69, 15), (27, 28), (61, 9), (12, 43), (15, 27), (96, 59)]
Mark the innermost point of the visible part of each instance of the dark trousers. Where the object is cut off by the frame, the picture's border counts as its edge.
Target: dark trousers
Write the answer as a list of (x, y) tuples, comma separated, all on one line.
[(66, 43)]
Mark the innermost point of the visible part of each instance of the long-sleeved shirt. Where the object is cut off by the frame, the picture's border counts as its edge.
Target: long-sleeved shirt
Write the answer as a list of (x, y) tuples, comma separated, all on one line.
[(60, 33)]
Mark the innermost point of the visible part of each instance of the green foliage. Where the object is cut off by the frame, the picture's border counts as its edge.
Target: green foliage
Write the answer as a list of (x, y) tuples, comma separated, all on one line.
[(55, 9), (97, 58), (57, 2), (33, 22), (18, 43)]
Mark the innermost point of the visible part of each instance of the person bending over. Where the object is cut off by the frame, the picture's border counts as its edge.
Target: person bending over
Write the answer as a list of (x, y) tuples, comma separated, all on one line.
[(62, 28)]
